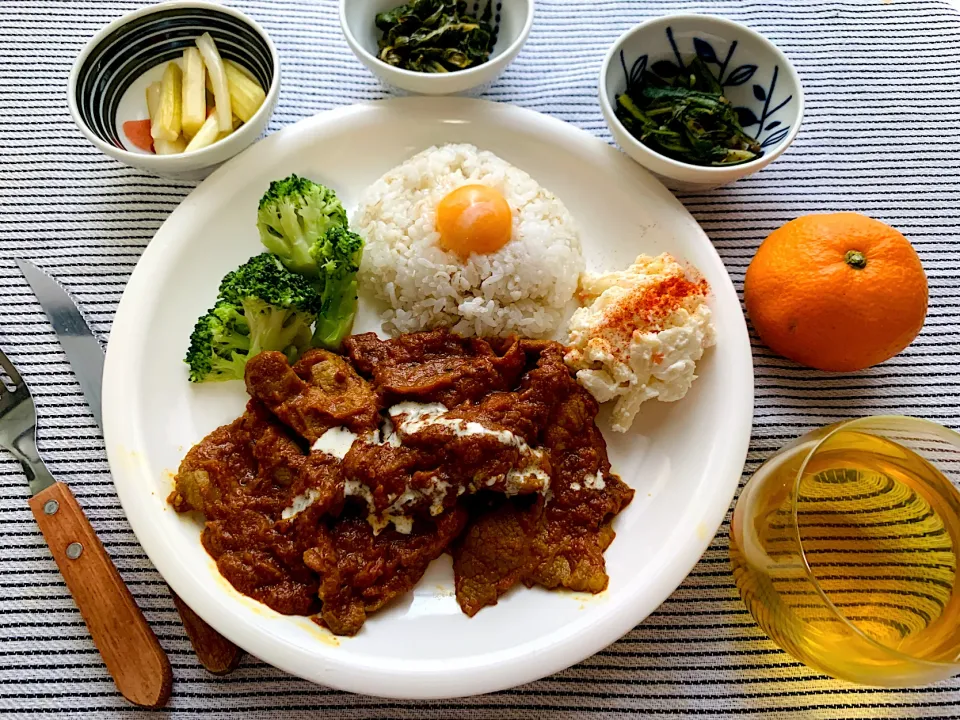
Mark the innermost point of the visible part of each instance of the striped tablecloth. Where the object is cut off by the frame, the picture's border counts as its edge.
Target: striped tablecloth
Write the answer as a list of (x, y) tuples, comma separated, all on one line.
[(881, 136)]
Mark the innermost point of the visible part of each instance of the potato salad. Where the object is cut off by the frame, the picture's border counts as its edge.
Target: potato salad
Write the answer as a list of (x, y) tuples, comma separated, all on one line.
[(639, 334)]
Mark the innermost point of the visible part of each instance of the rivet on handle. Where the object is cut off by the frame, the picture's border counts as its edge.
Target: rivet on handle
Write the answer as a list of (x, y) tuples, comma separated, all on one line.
[(73, 550), (50, 507)]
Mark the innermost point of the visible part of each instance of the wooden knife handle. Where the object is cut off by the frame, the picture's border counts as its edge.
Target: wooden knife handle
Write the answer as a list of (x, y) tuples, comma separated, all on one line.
[(128, 646), (217, 654)]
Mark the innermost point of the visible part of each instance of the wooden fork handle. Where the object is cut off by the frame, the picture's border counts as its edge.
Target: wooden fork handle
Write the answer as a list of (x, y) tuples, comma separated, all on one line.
[(129, 648)]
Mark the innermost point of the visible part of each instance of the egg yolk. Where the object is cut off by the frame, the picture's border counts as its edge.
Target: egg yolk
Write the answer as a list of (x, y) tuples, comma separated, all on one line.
[(474, 219)]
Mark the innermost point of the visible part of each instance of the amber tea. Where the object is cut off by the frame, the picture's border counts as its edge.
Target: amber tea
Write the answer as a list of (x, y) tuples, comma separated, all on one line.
[(844, 549)]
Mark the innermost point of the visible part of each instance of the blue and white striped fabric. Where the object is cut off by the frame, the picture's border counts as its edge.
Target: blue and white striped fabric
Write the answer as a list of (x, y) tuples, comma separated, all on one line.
[(881, 136)]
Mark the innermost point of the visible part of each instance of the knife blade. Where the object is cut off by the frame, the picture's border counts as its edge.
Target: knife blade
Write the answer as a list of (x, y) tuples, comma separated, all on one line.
[(217, 654), (81, 346)]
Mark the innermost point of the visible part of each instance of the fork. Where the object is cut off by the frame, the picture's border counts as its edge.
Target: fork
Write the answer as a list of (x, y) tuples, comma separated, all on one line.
[(129, 648)]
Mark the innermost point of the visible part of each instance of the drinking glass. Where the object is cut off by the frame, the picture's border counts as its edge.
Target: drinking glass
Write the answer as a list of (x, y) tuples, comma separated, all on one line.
[(844, 548)]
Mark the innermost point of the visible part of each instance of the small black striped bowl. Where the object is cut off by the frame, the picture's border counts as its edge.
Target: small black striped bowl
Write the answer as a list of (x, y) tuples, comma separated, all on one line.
[(119, 55)]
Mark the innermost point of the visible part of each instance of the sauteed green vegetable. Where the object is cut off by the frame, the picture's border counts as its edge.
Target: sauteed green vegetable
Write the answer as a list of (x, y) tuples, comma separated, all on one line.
[(685, 117), (435, 36)]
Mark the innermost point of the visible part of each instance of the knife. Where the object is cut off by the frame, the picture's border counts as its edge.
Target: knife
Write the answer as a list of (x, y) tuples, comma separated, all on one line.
[(217, 654)]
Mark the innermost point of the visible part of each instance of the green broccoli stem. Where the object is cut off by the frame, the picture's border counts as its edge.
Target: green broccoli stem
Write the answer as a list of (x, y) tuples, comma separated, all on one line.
[(222, 368), (273, 328), (339, 310), (295, 255)]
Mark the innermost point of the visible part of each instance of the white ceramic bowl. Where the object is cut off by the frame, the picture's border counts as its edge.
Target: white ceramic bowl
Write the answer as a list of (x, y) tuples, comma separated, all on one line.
[(110, 75), (757, 78), (513, 19)]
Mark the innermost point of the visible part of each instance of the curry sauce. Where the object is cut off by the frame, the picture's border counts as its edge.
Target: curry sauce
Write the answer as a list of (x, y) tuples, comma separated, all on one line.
[(347, 475)]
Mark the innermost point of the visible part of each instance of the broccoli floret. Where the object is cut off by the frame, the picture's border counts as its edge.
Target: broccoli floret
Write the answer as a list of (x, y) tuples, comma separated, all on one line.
[(338, 258), (219, 346), (261, 306), (294, 214), (279, 306)]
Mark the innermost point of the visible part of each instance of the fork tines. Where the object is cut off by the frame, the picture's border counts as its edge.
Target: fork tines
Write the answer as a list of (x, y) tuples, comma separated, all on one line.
[(10, 370), (16, 392)]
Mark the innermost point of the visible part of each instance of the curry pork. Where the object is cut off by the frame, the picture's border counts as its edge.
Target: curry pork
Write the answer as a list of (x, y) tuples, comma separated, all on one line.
[(348, 474)]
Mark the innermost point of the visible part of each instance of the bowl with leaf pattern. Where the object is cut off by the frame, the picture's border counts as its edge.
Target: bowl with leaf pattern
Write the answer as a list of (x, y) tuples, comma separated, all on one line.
[(699, 100)]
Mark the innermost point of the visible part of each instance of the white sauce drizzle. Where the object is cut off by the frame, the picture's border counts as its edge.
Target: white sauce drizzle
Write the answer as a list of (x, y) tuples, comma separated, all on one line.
[(414, 418), (530, 477), (336, 441), (358, 489), (595, 482), (301, 503), (418, 416)]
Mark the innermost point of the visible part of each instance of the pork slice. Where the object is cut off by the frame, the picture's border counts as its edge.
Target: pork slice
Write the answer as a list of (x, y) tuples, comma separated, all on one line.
[(570, 558), (220, 464), (264, 560), (360, 572), (493, 554), (335, 396), (526, 410), (279, 457), (435, 366), (575, 528), (559, 542)]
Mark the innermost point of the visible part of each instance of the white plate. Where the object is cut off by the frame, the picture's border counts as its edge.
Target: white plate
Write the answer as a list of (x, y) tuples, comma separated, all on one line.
[(684, 459)]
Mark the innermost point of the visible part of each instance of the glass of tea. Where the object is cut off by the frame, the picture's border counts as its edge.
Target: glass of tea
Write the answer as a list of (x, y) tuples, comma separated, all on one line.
[(844, 548)]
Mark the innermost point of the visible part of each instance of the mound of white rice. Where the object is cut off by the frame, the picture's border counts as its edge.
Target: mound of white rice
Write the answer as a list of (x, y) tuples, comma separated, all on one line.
[(523, 287)]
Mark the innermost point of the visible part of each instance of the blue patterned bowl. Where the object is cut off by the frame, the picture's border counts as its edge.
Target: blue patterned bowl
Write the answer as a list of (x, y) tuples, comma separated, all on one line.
[(756, 77)]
